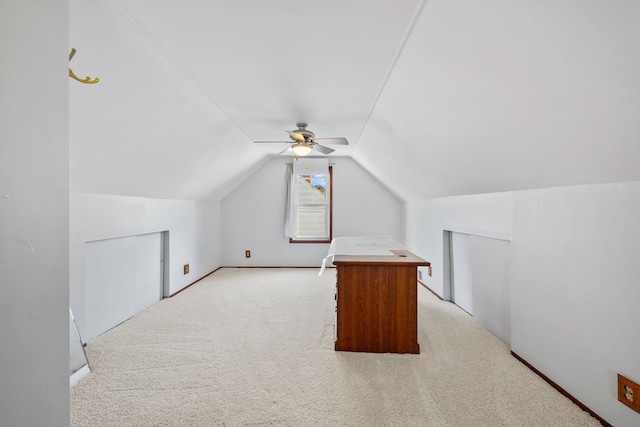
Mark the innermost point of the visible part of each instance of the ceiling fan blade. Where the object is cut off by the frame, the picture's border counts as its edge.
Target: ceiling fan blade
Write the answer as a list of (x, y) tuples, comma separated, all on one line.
[(297, 137), (323, 149), (272, 142), (334, 141)]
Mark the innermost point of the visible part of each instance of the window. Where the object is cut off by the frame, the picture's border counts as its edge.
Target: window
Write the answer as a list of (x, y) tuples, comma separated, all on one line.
[(309, 202)]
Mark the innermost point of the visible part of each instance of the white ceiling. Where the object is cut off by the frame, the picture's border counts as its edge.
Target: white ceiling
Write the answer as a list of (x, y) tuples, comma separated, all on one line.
[(437, 98)]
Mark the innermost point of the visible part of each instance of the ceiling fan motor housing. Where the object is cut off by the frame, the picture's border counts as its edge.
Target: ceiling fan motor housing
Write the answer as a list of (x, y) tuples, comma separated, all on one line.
[(307, 134)]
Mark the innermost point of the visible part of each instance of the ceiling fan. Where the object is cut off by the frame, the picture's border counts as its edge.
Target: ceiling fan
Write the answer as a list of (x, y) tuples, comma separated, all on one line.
[(304, 141)]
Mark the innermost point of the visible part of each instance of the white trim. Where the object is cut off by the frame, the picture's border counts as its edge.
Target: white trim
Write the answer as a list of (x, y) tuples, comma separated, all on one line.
[(78, 375)]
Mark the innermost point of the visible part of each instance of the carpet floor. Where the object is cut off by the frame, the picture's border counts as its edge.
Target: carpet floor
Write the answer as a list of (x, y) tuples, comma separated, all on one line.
[(254, 347)]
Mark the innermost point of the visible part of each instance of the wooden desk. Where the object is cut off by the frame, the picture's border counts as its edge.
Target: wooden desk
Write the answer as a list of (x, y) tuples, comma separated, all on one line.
[(376, 302)]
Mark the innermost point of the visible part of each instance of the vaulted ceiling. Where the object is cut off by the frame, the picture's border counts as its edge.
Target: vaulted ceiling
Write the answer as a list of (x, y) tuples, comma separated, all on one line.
[(437, 98)]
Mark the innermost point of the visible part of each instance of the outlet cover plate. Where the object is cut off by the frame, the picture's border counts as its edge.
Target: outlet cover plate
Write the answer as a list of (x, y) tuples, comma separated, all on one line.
[(629, 393)]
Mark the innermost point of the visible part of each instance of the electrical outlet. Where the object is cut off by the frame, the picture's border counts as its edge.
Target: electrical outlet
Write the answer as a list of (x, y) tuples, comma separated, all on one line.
[(247, 254), (629, 393), (186, 269)]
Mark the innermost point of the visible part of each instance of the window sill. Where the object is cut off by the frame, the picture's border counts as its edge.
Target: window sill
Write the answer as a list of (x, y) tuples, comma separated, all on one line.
[(292, 240)]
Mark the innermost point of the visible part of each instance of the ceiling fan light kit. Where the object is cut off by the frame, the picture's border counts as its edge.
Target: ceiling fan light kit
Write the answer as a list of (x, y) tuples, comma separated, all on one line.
[(304, 142), (301, 149)]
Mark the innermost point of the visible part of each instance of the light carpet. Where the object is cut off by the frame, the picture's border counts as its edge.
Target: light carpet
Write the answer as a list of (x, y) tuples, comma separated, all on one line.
[(254, 347)]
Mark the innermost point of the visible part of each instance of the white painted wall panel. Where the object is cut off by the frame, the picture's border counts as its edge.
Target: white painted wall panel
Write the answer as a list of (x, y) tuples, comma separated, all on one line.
[(488, 215), (123, 277), (480, 280), (491, 285), (111, 284), (149, 270), (34, 213), (575, 291), (194, 228), (461, 272), (573, 282)]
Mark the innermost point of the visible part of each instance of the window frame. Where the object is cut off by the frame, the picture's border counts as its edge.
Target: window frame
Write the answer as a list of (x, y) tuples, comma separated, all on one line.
[(330, 236)]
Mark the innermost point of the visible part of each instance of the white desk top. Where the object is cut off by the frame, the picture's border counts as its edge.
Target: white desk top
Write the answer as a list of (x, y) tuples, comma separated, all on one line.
[(363, 245), (360, 245)]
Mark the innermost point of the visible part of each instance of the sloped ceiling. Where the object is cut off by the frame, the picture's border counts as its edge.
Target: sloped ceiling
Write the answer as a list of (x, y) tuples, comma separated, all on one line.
[(436, 98)]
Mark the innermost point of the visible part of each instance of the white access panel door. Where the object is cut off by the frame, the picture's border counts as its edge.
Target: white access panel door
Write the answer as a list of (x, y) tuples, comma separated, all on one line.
[(149, 269), (110, 280), (123, 276), (461, 277), (479, 280), (491, 290)]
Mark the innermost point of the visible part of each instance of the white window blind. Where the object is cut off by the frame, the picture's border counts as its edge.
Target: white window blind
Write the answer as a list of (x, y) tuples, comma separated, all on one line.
[(308, 200)]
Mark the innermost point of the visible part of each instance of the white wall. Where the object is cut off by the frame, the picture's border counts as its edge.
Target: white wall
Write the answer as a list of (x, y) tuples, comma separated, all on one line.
[(491, 293), (193, 226), (574, 287), (253, 215), (34, 214), (123, 276), (488, 215)]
